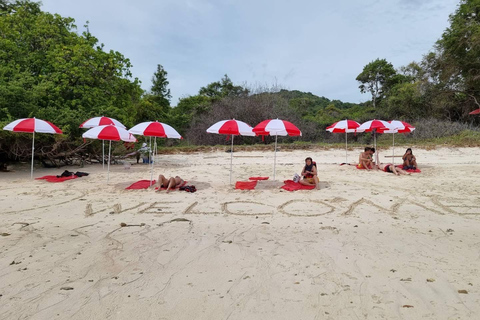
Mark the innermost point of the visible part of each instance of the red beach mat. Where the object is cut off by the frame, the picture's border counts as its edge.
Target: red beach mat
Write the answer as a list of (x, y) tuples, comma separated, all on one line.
[(141, 184), (258, 178), (290, 185), (246, 185), (55, 179), (409, 170)]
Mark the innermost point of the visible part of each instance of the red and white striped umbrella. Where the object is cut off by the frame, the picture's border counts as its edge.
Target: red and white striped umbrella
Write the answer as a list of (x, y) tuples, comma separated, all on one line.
[(234, 128), (32, 125), (375, 125), (276, 127), (398, 126), (155, 129), (344, 126), (111, 133), (101, 121)]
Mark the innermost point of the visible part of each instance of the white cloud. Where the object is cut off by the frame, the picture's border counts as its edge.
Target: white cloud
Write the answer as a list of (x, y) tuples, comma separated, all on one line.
[(312, 46)]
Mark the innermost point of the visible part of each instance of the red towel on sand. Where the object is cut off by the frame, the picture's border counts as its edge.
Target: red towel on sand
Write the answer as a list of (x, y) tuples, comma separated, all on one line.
[(258, 178), (142, 184), (290, 185), (408, 170), (246, 185), (55, 179)]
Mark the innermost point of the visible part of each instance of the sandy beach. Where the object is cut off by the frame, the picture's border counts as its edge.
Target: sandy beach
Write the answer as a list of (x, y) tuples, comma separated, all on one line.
[(367, 245)]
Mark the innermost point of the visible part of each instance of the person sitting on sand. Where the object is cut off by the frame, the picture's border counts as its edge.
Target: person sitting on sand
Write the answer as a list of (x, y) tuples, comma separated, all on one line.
[(309, 173), (171, 183), (365, 160), (409, 160)]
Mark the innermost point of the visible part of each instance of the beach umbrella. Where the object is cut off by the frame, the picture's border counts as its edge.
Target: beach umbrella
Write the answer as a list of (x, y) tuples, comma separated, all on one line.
[(32, 125), (398, 126), (233, 128), (276, 127), (101, 121), (110, 133), (375, 126), (155, 129), (344, 126)]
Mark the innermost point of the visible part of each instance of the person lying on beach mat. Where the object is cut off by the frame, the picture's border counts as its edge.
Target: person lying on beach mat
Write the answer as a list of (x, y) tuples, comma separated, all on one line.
[(169, 184)]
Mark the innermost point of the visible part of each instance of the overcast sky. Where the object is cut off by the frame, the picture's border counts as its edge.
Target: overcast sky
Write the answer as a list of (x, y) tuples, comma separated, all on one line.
[(317, 46)]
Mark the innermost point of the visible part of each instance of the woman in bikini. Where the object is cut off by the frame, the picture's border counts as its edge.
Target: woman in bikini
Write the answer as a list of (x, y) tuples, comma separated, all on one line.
[(409, 160), (309, 174), (168, 184)]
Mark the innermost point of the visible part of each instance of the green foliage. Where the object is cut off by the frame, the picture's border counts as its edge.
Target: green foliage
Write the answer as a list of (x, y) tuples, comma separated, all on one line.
[(223, 88), (159, 91), (376, 78)]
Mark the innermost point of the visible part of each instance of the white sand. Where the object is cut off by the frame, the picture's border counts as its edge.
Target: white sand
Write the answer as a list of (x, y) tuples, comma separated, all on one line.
[(368, 245)]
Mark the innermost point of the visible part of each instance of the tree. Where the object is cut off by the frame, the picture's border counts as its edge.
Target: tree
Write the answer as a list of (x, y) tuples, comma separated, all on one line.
[(49, 71), (159, 87), (375, 78), (456, 60), (221, 89)]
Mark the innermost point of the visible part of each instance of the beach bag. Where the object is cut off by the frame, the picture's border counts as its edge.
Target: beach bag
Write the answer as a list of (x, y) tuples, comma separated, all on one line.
[(296, 177), (65, 173)]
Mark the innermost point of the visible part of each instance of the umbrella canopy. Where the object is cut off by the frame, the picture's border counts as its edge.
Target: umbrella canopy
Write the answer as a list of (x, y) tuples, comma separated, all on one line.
[(276, 127), (111, 133), (344, 126), (398, 126), (101, 121), (375, 125), (475, 111), (234, 128), (32, 125), (155, 129)]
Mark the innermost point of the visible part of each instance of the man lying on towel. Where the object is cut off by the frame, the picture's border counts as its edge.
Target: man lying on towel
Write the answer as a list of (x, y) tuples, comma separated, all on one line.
[(309, 173), (170, 183)]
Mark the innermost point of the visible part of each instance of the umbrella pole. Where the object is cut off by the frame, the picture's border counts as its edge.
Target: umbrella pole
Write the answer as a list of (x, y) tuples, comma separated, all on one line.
[(231, 160), (346, 152), (275, 158), (393, 151), (375, 142), (33, 153), (153, 160), (103, 154), (108, 166)]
